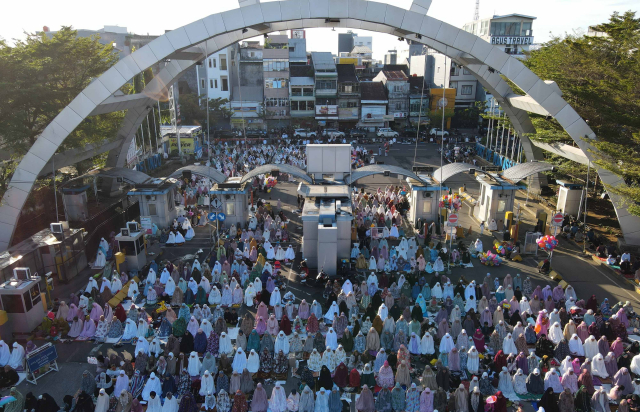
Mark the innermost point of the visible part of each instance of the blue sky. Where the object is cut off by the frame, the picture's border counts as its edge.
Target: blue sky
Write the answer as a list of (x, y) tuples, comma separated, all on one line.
[(154, 17)]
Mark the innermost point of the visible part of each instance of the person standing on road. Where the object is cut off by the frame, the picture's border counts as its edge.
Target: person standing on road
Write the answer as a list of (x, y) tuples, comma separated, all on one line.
[(481, 228)]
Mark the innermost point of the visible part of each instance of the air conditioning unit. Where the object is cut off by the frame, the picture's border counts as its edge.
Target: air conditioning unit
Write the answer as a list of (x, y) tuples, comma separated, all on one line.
[(124, 231), (22, 273), (59, 229), (119, 179), (426, 194), (151, 197), (133, 227)]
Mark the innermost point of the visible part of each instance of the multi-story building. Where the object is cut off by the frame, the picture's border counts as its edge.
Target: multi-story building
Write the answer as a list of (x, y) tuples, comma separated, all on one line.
[(348, 95), (213, 76), (247, 85), (511, 32), (465, 83), (373, 101), (326, 90), (363, 41), (298, 48), (418, 100), (275, 62), (301, 94), (397, 92), (345, 42)]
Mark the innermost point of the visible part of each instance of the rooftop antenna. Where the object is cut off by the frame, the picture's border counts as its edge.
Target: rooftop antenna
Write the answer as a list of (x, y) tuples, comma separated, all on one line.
[(476, 14)]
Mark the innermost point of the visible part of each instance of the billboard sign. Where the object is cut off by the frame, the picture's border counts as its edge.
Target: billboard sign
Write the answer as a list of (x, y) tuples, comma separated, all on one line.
[(327, 110)]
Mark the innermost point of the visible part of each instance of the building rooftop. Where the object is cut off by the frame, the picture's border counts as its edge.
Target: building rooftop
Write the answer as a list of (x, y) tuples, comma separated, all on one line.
[(361, 50), (300, 70), (416, 83), (302, 81), (514, 15), (397, 67), (394, 75), (323, 61), (346, 73), (373, 91)]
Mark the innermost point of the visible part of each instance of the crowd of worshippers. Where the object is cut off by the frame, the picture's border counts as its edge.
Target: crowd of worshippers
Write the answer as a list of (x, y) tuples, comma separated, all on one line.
[(237, 160), (383, 209), (417, 345)]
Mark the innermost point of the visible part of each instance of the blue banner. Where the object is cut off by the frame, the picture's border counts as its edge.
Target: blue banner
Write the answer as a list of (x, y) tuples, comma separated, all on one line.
[(42, 358)]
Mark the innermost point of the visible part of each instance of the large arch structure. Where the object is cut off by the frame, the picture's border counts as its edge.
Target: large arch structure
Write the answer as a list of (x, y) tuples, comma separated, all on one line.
[(183, 47), (378, 170), (282, 168)]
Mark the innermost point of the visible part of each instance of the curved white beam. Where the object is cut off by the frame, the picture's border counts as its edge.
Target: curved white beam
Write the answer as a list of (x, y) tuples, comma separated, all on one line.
[(222, 29)]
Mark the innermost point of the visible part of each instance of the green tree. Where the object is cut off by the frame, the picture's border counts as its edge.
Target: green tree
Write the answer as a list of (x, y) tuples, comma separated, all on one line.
[(193, 110), (600, 77), (435, 117), (39, 76)]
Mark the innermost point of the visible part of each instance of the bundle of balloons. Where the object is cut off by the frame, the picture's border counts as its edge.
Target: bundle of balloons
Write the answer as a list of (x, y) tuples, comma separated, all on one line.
[(547, 242), (271, 182), (490, 259), (451, 201), (503, 248)]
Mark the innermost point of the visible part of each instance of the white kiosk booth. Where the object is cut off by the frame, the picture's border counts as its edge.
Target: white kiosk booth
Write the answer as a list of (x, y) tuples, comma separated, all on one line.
[(131, 244), (22, 301), (156, 198), (497, 196), (233, 197), (569, 197), (326, 225), (424, 199)]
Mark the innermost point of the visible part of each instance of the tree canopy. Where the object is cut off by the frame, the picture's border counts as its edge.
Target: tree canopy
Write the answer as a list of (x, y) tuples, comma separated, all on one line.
[(40, 76), (599, 76)]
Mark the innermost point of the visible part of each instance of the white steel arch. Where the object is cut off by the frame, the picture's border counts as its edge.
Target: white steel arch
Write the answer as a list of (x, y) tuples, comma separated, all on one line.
[(185, 46)]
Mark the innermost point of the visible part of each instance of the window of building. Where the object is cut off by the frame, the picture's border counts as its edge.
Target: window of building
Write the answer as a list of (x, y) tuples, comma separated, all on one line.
[(230, 209), (505, 29), (326, 84), (398, 88), (225, 84), (426, 207), (350, 88), (223, 62), (292, 49), (399, 106), (296, 91), (275, 65), (307, 91), (202, 84), (209, 63), (295, 105), (466, 71), (215, 82), (326, 102), (467, 90), (211, 83), (276, 102), (415, 106), (526, 29), (276, 83), (214, 62), (152, 209)]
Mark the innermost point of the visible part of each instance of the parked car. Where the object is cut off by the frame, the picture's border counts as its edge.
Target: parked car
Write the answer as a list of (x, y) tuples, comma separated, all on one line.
[(387, 132), (299, 133), (225, 134), (409, 132), (332, 133), (439, 132), (357, 133)]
